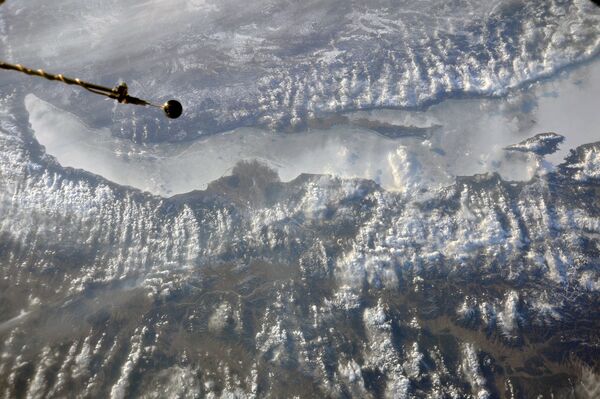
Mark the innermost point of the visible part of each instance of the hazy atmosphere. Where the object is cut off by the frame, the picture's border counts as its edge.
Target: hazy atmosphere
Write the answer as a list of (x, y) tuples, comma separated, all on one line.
[(375, 199)]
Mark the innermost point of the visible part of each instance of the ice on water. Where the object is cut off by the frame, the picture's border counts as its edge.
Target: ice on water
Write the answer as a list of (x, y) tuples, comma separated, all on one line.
[(460, 137)]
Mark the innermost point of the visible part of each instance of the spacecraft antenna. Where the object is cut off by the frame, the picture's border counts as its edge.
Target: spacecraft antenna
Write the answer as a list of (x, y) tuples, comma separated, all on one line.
[(172, 108)]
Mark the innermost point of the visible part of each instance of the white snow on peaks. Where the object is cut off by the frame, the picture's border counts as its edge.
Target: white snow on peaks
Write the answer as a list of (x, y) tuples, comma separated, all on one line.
[(381, 354), (590, 281), (351, 371), (221, 317), (278, 63), (133, 242), (509, 316), (472, 371), (347, 298), (351, 376), (82, 360), (467, 310), (60, 383), (541, 144), (489, 314), (271, 339), (174, 382), (412, 365), (545, 311), (38, 384), (119, 389), (589, 167)]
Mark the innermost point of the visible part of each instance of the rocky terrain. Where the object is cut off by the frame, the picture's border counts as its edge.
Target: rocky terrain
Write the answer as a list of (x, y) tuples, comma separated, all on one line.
[(440, 286), (316, 287)]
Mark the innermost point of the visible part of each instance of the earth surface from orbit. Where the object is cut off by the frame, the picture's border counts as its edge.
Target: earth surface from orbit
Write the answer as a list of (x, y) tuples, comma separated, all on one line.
[(370, 199)]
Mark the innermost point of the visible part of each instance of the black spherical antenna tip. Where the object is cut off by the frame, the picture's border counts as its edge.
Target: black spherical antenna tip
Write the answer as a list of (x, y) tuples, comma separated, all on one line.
[(173, 109)]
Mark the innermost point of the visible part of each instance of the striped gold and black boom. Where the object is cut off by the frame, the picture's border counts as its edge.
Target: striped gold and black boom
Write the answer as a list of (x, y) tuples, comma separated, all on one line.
[(172, 108)]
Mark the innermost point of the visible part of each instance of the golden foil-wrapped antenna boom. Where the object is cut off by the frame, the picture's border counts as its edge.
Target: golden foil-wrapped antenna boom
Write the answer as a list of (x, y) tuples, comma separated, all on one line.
[(172, 108)]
